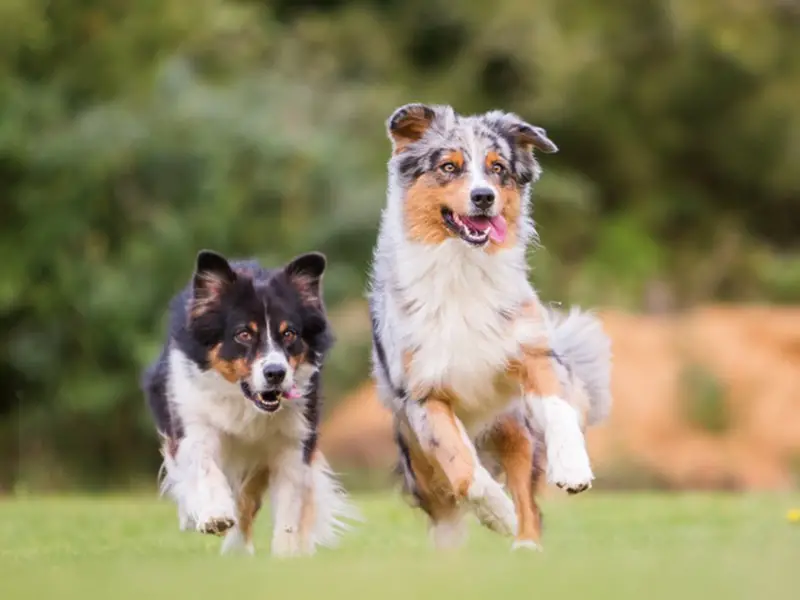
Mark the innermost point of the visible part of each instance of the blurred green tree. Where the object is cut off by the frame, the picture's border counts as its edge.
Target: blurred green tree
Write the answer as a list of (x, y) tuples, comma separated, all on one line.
[(135, 133)]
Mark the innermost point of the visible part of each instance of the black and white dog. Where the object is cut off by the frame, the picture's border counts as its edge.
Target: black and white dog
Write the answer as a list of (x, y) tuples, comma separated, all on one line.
[(235, 397)]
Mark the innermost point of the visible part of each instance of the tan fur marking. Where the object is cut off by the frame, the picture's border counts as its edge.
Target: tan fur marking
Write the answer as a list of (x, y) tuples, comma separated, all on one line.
[(510, 206), (249, 501), (456, 157), (296, 361), (413, 127), (513, 449), (534, 369), (449, 453), (436, 498), (491, 158), (231, 370), (423, 207)]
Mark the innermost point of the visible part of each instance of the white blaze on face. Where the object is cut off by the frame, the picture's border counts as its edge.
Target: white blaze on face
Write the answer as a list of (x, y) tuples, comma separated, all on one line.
[(273, 357), (476, 167)]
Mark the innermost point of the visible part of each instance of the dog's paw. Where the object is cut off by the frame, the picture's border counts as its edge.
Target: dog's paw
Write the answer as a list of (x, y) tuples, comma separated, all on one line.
[(235, 542), (573, 480), (286, 543), (185, 521), (492, 506), (216, 525), (568, 464), (499, 521), (526, 546), (569, 468), (210, 513), (573, 474), (448, 534)]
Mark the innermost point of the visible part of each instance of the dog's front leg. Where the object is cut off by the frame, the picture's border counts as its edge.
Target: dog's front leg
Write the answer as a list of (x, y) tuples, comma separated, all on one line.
[(288, 493), (443, 440), (251, 492), (546, 400), (200, 487)]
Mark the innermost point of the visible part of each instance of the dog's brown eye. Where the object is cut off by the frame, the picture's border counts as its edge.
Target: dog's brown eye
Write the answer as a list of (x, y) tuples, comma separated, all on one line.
[(448, 167), (289, 336), (498, 168), (244, 336)]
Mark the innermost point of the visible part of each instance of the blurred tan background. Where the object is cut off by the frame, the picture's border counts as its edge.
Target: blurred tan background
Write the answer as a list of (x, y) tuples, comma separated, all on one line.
[(135, 133)]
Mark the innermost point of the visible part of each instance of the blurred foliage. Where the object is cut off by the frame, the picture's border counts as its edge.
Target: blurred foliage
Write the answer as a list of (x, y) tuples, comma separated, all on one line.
[(703, 400), (135, 133)]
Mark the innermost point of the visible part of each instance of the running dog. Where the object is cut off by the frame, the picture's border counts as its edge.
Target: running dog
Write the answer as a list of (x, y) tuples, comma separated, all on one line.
[(480, 376), (235, 396)]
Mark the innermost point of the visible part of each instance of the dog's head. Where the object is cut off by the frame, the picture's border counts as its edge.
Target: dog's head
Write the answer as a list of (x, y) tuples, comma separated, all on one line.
[(266, 331), (464, 176)]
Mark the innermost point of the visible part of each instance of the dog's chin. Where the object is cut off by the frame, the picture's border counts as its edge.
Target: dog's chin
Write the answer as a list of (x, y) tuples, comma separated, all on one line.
[(475, 230), (268, 402)]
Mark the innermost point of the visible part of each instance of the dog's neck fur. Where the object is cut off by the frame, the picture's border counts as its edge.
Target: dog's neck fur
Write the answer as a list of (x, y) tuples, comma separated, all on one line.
[(436, 273)]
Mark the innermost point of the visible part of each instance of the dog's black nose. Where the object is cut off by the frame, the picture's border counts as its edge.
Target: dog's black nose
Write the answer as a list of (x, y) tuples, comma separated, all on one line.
[(274, 374), (482, 198)]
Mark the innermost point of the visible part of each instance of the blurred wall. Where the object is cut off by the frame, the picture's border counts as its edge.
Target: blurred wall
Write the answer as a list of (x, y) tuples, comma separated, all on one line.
[(135, 133)]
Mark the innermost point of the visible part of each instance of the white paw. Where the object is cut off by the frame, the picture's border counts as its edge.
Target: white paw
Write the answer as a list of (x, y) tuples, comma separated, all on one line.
[(286, 543), (215, 525), (491, 504), (568, 463), (569, 468), (449, 534), (236, 543), (185, 521), (528, 545), (214, 517)]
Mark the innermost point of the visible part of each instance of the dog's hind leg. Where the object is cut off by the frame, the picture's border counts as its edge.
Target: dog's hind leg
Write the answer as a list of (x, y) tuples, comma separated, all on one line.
[(325, 508), (444, 442), (512, 445), (248, 503), (290, 479)]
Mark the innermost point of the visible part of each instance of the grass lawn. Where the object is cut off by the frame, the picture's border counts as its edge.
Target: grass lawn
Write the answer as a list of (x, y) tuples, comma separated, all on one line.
[(642, 546)]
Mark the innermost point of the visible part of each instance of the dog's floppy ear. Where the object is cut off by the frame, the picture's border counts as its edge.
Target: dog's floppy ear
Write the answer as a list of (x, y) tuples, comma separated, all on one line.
[(409, 123), (531, 135), (305, 274), (524, 134), (212, 276)]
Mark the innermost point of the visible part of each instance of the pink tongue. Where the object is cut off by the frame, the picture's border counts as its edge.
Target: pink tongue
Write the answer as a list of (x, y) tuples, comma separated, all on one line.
[(292, 394), (497, 226), (476, 223), (499, 229)]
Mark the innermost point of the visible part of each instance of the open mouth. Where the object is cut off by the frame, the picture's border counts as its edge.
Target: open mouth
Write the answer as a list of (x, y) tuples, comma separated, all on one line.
[(268, 401), (476, 230)]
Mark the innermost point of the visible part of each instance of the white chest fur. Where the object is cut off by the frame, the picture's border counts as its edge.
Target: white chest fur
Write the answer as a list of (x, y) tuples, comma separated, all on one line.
[(453, 308)]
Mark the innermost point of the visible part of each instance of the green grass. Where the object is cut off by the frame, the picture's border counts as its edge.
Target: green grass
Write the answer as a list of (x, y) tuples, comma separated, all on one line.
[(597, 546)]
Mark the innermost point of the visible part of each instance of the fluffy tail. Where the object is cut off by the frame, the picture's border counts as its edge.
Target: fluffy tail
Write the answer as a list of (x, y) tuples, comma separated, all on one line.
[(579, 340), (333, 509)]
